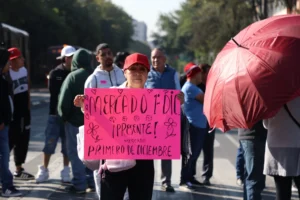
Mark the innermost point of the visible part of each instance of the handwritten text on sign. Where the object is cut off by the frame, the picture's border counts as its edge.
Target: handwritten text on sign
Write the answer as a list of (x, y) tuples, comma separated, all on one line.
[(131, 124)]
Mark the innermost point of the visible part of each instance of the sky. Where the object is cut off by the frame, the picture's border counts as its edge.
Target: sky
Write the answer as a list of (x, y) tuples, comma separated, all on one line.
[(148, 10)]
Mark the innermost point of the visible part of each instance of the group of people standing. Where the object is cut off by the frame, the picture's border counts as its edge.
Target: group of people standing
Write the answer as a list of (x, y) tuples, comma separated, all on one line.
[(133, 71), (66, 84), (263, 142), (14, 118)]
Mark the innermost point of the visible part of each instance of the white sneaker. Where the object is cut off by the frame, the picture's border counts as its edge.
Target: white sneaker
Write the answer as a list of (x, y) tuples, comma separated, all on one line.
[(11, 192), (239, 182), (294, 188), (42, 174), (65, 175)]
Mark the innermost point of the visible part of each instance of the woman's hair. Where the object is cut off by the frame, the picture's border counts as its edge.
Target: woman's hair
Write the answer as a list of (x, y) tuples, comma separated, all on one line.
[(204, 67), (120, 58)]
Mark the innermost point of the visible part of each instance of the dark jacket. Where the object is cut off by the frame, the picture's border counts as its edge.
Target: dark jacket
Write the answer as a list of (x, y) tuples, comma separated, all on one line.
[(5, 91), (256, 132), (56, 78), (5, 102), (72, 86)]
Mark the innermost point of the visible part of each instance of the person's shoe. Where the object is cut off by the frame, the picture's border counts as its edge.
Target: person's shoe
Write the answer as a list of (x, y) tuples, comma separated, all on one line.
[(42, 174), (195, 182), (206, 182), (22, 175), (72, 189), (167, 188), (65, 175), (91, 189), (11, 192), (239, 182), (186, 184), (294, 188)]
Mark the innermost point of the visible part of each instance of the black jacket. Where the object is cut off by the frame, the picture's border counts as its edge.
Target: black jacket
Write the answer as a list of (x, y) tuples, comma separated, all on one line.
[(5, 103), (256, 132), (56, 78)]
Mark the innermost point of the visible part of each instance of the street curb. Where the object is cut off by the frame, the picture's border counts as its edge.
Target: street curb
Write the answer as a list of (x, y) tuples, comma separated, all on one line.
[(43, 90), (39, 103)]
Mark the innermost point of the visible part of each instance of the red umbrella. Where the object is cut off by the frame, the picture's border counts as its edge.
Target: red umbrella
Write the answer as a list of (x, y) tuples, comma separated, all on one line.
[(255, 74)]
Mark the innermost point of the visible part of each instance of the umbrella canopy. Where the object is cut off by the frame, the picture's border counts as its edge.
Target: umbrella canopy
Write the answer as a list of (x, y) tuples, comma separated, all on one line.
[(255, 74)]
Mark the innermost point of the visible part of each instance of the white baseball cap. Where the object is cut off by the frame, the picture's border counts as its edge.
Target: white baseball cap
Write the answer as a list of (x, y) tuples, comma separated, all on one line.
[(66, 52)]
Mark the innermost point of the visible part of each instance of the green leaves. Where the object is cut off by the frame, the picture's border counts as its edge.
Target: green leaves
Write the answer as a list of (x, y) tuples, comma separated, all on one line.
[(201, 28), (84, 23)]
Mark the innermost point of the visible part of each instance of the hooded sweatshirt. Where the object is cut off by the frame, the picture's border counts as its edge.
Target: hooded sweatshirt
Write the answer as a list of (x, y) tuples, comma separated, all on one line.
[(104, 79), (72, 86)]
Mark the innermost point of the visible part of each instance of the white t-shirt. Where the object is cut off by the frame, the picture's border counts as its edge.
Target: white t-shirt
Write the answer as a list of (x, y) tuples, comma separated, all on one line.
[(19, 79)]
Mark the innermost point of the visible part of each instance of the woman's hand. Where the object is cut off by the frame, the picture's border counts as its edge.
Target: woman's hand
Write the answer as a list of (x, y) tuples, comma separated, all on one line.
[(79, 101), (180, 96)]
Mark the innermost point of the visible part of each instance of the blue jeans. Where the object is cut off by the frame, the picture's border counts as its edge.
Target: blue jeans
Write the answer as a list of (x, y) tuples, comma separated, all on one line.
[(240, 163), (254, 153), (6, 176), (55, 130), (81, 174), (197, 136)]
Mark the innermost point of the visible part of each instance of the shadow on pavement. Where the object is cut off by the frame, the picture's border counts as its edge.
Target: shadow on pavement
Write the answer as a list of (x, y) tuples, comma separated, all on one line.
[(214, 192)]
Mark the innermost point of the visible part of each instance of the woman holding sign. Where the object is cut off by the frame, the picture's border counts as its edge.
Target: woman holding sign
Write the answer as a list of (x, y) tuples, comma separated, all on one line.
[(136, 175)]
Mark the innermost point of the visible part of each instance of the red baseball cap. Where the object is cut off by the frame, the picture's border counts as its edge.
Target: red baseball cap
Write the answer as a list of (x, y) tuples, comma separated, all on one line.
[(14, 53), (136, 58), (191, 69)]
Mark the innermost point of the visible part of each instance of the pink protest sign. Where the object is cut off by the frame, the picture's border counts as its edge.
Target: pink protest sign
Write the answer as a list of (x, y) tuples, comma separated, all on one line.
[(131, 124)]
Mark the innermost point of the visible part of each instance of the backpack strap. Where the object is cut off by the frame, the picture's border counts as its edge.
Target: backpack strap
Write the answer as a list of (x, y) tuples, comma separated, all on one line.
[(291, 116)]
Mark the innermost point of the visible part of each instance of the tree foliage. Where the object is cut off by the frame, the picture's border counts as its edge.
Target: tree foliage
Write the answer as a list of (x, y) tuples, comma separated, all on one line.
[(200, 28), (139, 47), (84, 23)]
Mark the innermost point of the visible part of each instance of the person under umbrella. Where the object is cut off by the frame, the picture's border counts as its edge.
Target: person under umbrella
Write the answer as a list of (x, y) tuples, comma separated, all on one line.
[(282, 150)]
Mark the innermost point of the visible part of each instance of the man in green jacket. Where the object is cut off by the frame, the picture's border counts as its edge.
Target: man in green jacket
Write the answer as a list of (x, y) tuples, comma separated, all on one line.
[(73, 118)]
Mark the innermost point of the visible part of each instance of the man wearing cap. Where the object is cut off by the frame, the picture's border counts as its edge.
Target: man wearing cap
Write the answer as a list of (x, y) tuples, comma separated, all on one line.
[(6, 111), (163, 76), (208, 147), (55, 127), (193, 109), (19, 130)]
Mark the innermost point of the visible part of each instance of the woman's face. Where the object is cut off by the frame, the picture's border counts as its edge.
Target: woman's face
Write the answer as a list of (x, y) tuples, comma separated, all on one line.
[(136, 76)]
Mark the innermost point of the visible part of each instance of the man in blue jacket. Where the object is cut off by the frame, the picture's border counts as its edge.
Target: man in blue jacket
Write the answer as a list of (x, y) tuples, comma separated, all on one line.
[(163, 76)]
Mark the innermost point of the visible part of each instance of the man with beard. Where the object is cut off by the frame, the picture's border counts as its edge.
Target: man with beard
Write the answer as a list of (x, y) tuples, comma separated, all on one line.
[(107, 74)]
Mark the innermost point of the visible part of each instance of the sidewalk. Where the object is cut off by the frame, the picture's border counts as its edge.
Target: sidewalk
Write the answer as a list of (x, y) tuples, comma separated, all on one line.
[(54, 190), (39, 96)]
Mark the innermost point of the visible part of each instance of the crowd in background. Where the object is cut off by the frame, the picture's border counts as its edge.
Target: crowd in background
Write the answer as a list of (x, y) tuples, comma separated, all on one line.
[(262, 150)]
